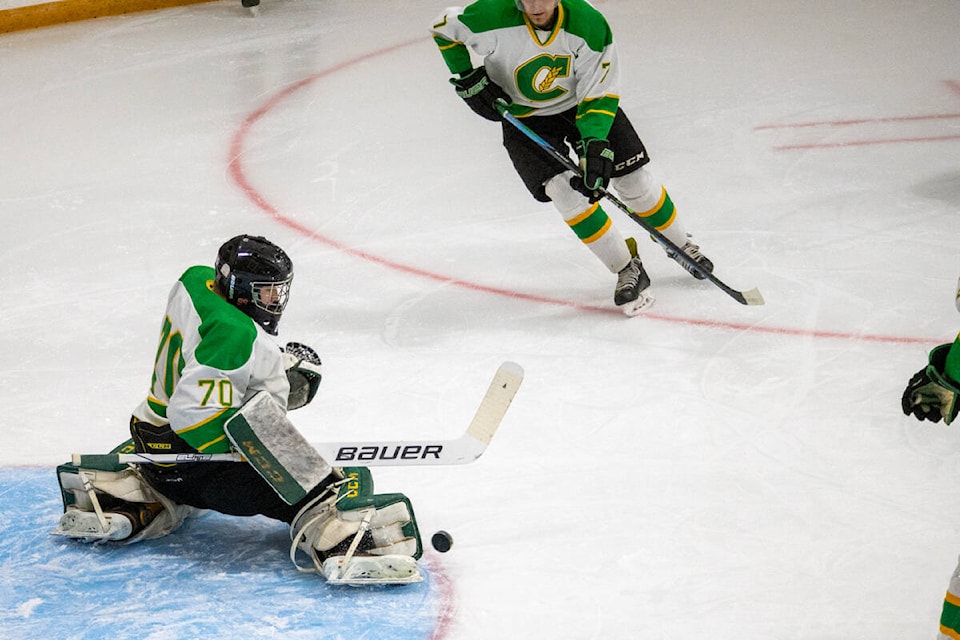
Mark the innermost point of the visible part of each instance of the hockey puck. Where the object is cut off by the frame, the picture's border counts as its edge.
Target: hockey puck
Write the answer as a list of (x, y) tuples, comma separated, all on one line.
[(442, 541)]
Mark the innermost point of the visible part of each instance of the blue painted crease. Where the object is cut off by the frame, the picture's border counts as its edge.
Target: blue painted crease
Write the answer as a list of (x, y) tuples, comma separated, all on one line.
[(217, 576)]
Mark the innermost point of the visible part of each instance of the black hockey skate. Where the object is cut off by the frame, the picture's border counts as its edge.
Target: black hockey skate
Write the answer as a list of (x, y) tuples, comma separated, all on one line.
[(632, 282), (693, 252)]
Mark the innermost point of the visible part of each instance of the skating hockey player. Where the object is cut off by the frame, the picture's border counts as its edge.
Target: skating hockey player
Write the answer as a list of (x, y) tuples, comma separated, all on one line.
[(931, 395), (555, 63), (217, 358)]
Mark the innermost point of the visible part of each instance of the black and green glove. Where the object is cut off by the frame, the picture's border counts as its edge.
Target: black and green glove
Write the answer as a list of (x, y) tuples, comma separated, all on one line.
[(930, 394), (480, 93), (596, 162)]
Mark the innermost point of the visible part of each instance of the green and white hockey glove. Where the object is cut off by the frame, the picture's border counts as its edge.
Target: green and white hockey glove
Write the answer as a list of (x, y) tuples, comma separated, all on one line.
[(480, 93), (596, 162), (930, 395), (304, 373)]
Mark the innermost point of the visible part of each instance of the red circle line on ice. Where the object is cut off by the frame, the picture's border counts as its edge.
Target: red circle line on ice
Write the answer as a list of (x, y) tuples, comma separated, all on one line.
[(237, 173)]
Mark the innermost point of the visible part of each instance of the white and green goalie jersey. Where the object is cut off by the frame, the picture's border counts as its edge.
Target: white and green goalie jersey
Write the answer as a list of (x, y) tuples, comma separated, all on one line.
[(211, 358), (544, 72)]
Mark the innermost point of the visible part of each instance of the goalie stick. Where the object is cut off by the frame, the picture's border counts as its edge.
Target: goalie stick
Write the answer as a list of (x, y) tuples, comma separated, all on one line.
[(751, 297), (462, 450)]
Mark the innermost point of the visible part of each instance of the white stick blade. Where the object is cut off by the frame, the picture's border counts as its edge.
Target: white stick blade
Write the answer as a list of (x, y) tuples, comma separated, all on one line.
[(495, 403), (753, 297)]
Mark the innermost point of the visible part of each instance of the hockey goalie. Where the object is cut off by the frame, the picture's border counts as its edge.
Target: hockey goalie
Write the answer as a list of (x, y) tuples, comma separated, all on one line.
[(220, 384)]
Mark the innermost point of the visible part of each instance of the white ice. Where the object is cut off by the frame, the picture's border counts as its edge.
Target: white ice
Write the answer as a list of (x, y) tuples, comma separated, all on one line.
[(707, 471)]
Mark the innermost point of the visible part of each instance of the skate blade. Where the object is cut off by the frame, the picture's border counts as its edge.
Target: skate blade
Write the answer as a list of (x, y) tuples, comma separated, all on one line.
[(643, 302)]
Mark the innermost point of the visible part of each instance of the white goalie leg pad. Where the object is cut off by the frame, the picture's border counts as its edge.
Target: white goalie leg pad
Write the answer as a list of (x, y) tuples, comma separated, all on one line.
[(330, 531), (126, 485), (85, 519), (386, 527), (325, 528), (309, 527), (332, 538)]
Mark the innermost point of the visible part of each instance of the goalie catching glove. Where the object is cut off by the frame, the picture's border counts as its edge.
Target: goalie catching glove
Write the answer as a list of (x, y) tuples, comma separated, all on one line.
[(930, 394), (304, 373)]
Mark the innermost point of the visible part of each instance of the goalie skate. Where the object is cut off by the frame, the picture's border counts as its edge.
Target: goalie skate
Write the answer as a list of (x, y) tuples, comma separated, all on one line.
[(88, 527), (358, 571)]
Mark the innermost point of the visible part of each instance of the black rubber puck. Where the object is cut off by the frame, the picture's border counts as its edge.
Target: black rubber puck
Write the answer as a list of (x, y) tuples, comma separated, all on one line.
[(442, 541)]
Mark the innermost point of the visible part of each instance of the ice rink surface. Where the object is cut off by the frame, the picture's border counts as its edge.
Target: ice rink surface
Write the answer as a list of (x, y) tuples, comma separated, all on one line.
[(708, 470)]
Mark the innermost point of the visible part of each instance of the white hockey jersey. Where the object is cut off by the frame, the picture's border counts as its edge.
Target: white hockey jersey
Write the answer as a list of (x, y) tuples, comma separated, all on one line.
[(574, 65)]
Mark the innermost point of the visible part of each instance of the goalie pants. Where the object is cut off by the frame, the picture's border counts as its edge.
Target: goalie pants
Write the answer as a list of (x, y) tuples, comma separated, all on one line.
[(232, 488), (536, 167)]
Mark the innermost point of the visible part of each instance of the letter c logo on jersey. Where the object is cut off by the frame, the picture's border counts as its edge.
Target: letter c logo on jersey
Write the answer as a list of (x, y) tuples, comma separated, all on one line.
[(536, 77)]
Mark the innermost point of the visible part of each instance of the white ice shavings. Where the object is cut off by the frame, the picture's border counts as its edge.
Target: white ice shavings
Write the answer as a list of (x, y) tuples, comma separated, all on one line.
[(26, 609)]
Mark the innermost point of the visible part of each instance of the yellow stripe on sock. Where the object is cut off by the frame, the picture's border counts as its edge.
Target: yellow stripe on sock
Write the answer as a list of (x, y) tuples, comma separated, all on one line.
[(950, 633), (585, 224), (656, 207), (583, 216)]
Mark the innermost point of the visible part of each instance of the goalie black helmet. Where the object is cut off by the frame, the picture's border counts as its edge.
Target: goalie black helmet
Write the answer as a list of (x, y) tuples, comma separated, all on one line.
[(254, 275)]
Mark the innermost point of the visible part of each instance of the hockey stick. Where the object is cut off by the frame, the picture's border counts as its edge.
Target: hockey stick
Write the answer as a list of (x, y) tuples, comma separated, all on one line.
[(751, 297), (465, 449)]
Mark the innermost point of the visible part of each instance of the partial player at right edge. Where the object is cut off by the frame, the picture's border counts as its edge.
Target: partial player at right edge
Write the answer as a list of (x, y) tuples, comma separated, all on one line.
[(931, 394)]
